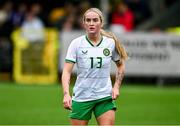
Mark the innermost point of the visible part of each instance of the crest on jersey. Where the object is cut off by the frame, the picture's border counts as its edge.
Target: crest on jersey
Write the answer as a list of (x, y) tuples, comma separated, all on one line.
[(106, 52)]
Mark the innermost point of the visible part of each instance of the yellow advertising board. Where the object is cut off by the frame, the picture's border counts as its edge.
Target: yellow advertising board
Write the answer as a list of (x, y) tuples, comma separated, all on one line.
[(35, 63)]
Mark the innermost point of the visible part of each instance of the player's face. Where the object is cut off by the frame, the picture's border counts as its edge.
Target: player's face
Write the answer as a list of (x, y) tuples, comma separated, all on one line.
[(92, 23)]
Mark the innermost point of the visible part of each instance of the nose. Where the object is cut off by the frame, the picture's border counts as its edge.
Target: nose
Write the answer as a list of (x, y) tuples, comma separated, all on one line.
[(91, 22)]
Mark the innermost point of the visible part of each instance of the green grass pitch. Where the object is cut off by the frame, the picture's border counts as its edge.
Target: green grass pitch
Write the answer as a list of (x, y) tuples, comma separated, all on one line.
[(34, 105)]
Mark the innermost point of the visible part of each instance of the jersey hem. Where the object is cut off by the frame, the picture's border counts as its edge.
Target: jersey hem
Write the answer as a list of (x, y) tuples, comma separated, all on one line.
[(86, 100)]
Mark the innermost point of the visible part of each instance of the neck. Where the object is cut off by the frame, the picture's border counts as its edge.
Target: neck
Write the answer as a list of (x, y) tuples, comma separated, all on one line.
[(94, 37)]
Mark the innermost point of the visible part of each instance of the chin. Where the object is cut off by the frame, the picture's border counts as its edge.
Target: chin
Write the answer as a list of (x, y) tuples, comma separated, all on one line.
[(92, 32)]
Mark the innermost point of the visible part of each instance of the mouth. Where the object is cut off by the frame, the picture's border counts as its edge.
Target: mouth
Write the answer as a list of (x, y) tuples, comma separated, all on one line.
[(91, 28)]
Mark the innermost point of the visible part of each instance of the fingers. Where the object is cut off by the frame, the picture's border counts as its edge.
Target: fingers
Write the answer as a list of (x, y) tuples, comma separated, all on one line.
[(115, 95), (67, 104)]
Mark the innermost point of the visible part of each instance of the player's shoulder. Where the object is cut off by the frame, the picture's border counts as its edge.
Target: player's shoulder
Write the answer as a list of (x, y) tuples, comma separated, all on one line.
[(108, 39)]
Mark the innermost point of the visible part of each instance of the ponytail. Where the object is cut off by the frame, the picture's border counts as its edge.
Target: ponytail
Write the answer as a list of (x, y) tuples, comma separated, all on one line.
[(120, 49)]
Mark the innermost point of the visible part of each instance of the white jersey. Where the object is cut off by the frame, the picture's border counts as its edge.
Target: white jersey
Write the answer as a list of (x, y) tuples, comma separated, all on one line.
[(93, 67)]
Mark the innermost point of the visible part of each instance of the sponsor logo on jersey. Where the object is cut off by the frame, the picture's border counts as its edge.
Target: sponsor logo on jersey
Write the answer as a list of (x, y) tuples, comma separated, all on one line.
[(84, 52), (106, 52)]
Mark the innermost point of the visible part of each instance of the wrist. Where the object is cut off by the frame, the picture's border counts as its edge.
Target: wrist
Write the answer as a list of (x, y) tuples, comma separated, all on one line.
[(66, 93), (116, 85)]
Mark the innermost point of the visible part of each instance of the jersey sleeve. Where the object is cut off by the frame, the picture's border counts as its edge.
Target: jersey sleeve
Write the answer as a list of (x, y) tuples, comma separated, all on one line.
[(115, 55), (71, 53)]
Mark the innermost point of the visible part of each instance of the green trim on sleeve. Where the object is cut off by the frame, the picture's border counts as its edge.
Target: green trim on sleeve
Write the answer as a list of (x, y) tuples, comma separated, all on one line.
[(69, 61)]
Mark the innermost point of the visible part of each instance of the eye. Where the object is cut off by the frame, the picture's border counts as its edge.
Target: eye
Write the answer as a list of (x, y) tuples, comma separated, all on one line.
[(95, 19), (88, 20)]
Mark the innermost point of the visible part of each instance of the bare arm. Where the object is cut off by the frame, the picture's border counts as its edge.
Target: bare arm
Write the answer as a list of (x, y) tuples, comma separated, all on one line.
[(119, 78), (66, 75)]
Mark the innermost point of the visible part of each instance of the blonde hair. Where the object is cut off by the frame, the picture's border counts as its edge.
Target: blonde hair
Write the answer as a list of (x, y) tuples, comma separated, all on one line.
[(120, 49)]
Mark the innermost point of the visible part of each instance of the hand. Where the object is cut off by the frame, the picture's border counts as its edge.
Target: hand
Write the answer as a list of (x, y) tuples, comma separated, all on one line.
[(67, 101), (115, 93)]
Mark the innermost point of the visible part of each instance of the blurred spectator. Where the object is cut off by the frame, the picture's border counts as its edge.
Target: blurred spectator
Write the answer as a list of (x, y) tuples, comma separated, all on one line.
[(33, 28), (56, 16), (38, 10), (141, 9), (5, 55), (5, 11), (5, 15), (18, 16), (70, 10), (82, 7), (63, 18), (6, 28), (68, 17), (122, 18)]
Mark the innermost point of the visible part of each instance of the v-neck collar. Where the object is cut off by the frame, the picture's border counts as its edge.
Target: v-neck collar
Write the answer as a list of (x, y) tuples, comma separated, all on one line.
[(92, 43)]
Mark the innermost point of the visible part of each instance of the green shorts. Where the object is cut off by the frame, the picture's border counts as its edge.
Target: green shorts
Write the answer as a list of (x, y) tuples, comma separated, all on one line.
[(83, 110)]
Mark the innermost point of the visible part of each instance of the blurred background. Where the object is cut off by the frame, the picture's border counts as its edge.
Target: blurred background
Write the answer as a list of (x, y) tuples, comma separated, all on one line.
[(35, 35)]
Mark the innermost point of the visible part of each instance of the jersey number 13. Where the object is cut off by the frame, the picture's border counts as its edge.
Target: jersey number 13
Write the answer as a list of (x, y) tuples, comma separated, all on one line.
[(96, 60)]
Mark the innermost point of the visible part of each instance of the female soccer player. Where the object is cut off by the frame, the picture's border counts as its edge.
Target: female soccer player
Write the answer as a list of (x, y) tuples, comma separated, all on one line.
[(93, 91)]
